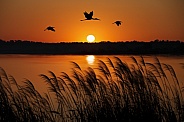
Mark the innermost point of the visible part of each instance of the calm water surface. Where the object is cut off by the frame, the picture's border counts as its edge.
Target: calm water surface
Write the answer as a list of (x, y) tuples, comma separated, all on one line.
[(23, 67)]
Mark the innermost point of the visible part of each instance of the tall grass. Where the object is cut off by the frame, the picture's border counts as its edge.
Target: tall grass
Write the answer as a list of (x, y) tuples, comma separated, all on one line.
[(141, 91)]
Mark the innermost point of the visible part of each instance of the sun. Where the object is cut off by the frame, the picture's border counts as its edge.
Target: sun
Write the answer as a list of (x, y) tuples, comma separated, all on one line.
[(90, 38)]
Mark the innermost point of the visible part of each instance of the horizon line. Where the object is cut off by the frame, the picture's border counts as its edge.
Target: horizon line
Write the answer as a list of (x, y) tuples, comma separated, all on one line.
[(156, 40)]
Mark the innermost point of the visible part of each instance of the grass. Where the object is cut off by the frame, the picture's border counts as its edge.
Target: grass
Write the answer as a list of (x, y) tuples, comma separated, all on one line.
[(118, 92)]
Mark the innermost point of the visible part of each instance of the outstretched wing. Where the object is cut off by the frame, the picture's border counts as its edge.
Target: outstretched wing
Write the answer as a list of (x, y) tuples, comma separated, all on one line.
[(86, 14), (53, 29), (119, 22), (91, 14)]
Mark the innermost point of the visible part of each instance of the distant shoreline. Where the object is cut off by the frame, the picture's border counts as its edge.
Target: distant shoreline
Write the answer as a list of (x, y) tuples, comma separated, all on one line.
[(102, 48)]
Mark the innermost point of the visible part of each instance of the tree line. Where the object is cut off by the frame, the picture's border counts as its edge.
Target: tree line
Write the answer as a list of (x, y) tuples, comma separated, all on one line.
[(98, 48)]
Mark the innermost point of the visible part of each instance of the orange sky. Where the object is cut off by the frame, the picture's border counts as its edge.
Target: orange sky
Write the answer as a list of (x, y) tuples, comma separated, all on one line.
[(143, 20)]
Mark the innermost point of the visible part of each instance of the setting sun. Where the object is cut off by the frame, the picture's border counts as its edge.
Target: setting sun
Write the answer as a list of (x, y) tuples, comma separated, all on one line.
[(90, 38)]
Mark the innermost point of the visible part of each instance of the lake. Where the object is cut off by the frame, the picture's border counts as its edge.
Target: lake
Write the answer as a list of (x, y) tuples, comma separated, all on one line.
[(29, 67)]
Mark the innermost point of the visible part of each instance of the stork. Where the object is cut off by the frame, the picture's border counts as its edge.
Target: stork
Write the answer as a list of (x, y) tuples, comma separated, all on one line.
[(89, 16)]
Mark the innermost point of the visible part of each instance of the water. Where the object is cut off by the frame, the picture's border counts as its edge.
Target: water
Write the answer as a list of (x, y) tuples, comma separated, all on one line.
[(29, 67)]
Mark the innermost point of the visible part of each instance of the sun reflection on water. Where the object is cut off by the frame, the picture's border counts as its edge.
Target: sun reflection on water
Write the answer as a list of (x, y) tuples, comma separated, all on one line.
[(90, 59)]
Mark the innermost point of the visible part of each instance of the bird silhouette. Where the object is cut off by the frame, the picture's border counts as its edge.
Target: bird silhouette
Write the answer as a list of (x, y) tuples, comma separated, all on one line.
[(118, 23), (89, 16), (50, 28)]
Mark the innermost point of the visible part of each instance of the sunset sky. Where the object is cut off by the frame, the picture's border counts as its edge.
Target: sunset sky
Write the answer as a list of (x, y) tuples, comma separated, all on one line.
[(143, 20)]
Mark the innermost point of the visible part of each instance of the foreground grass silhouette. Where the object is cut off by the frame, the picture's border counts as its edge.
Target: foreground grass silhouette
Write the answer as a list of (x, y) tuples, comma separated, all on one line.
[(119, 92)]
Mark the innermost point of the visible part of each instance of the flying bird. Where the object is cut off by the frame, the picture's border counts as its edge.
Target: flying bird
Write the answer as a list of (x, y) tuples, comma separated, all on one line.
[(50, 28), (118, 23), (89, 16)]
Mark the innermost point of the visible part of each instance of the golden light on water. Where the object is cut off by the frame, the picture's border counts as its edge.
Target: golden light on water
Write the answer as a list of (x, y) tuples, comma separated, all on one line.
[(90, 59)]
